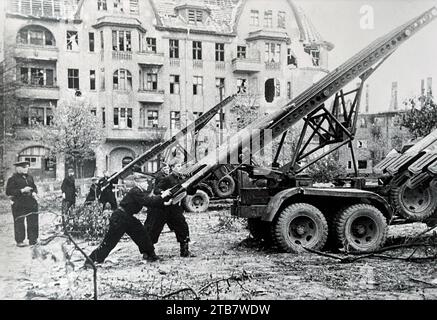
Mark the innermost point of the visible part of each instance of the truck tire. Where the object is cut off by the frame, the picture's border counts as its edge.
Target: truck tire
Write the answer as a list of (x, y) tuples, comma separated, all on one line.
[(414, 204), (361, 228), (199, 202), (225, 187), (260, 230), (300, 225)]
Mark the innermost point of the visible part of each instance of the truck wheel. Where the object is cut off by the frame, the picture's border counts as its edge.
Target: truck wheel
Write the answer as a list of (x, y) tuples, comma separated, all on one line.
[(414, 204), (361, 227), (300, 225), (225, 187), (260, 230), (198, 202)]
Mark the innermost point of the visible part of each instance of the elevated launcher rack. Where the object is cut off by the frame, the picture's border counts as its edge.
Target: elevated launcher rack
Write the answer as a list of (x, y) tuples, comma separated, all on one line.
[(309, 106)]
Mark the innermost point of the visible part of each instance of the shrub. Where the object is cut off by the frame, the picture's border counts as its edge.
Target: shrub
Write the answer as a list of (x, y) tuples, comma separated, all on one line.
[(87, 221)]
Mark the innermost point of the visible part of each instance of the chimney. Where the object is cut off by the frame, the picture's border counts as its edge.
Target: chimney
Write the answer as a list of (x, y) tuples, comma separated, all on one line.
[(429, 87), (394, 97)]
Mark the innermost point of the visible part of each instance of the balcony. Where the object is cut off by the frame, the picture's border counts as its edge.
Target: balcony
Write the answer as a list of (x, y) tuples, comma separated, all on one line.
[(121, 55), (36, 52), (150, 58), (246, 65), (174, 62), (198, 64), (142, 134), (38, 92), (151, 96)]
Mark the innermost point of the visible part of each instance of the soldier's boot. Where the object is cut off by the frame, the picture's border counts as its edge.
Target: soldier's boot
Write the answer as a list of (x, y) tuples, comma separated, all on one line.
[(151, 257), (185, 252)]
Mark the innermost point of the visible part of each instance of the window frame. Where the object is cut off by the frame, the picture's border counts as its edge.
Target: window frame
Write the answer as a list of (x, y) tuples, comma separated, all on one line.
[(73, 78)]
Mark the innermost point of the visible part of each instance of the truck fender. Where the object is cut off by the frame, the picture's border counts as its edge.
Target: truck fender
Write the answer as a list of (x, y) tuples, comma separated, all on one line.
[(277, 200)]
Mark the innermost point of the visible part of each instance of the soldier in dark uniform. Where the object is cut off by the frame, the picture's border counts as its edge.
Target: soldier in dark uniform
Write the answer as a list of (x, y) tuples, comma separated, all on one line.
[(122, 221), (107, 194), (94, 192), (68, 189), (172, 215), (22, 191)]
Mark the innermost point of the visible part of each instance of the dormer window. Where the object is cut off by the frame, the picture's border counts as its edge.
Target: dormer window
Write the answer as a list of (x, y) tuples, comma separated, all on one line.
[(195, 16)]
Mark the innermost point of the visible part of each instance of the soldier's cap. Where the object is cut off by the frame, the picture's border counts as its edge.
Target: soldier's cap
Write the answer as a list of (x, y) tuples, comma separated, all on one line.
[(95, 179), (22, 164)]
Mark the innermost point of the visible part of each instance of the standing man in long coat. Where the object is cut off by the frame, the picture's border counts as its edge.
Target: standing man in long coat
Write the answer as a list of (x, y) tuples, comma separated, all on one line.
[(68, 189), (22, 191)]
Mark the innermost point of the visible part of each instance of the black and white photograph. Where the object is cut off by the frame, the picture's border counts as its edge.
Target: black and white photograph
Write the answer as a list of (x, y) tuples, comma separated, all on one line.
[(227, 152)]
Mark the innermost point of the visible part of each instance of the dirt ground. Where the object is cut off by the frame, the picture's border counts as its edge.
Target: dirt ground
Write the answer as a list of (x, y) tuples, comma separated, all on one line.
[(228, 266)]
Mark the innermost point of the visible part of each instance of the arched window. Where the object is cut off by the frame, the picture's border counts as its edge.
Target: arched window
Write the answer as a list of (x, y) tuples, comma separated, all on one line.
[(122, 80), (36, 35)]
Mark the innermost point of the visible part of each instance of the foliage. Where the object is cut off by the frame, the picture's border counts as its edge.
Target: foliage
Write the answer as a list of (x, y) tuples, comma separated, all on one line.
[(244, 111), (87, 221), (421, 118), (326, 169), (75, 131), (377, 145)]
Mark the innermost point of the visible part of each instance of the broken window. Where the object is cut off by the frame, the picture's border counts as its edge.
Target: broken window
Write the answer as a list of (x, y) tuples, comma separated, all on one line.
[(123, 118), (277, 88), (219, 52), (152, 118), (197, 50), (197, 85), (34, 35), (102, 5), (151, 45), (272, 52), (291, 59), (152, 81), (121, 40), (315, 55), (289, 90), (174, 48), (72, 41), (241, 86), (241, 52), (175, 120), (37, 76), (118, 6), (122, 80), (174, 84), (220, 88)]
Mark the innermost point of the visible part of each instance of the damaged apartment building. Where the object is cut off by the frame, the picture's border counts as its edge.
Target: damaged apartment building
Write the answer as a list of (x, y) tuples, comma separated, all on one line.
[(149, 67)]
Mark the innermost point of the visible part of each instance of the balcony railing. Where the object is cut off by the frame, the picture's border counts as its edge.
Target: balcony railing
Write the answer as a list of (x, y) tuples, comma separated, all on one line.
[(153, 96), (273, 65), (120, 55), (36, 52), (220, 65), (175, 62), (38, 92), (151, 58), (198, 64)]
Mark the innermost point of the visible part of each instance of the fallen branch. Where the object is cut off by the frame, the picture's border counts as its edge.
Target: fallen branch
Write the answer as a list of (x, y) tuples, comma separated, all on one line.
[(424, 282)]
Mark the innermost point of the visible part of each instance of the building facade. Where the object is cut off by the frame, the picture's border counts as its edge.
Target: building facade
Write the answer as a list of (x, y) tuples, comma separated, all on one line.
[(150, 67), (377, 134)]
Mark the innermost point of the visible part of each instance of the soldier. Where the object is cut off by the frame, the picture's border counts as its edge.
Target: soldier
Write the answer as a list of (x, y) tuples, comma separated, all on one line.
[(22, 191), (107, 194), (172, 215), (122, 221), (94, 192), (68, 188)]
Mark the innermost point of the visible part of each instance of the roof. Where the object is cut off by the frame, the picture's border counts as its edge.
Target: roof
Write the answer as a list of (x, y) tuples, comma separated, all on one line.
[(225, 15)]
